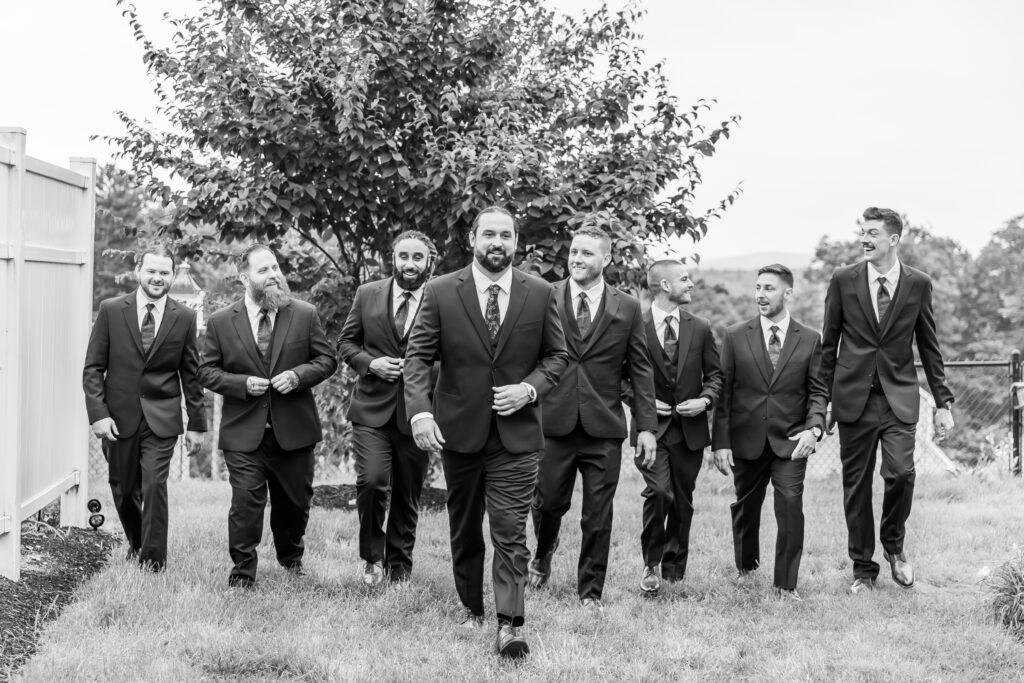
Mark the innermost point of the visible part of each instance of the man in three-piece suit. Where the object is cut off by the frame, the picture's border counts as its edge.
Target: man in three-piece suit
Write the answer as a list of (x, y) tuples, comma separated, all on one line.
[(264, 354), (373, 341), (496, 333), (584, 425), (141, 357), (770, 416), (874, 311)]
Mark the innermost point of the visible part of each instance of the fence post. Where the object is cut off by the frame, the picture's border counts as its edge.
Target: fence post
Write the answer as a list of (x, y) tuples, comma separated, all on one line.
[(1015, 413)]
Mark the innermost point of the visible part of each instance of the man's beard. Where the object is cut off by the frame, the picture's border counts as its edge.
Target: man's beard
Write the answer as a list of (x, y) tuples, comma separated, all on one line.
[(272, 298), (411, 282), (487, 262)]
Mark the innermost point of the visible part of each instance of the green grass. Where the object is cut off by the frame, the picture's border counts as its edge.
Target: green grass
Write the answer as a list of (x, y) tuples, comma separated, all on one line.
[(186, 625)]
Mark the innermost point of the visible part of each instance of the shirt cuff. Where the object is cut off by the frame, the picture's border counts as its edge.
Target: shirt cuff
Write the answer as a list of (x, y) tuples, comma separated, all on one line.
[(531, 391), (420, 416)]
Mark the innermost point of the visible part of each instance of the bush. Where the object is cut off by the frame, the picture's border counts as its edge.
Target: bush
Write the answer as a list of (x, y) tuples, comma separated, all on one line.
[(1007, 586)]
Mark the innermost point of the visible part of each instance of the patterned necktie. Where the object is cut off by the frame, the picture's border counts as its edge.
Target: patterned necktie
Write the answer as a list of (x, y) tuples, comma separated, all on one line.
[(583, 315), (492, 315), (670, 337), (263, 331), (774, 346), (402, 314), (883, 299), (148, 328)]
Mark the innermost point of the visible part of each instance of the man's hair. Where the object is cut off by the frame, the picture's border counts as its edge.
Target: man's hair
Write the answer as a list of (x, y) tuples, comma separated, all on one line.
[(413, 235), (494, 209), (160, 251), (784, 273), (589, 230), (892, 221), (242, 262), (656, 273)]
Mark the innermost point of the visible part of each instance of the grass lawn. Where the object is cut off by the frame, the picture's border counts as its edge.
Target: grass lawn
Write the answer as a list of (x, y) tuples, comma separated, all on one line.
[(185, 624)]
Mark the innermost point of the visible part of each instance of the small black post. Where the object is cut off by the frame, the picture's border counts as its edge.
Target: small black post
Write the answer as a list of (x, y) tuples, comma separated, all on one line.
[(1015, 413)]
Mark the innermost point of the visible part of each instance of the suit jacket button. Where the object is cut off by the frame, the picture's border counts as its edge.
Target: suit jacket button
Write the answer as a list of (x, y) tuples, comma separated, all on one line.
[(265, 405), (763, 417)]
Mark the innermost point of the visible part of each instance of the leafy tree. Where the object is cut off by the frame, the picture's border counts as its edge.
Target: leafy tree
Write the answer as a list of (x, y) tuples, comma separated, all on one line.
[(996, 291), (122, 209)]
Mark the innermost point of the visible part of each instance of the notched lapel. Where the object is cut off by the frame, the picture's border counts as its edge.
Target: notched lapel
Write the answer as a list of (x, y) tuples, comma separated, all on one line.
[(683, 340), (384, 310), (654, 347), (131, 320), (568, 314), (282, 323), (467, 294), (788, 346), (516, 301), (755, 340), (171, 318), (611, 309), (240, 320), (899, 300), (860, 286)]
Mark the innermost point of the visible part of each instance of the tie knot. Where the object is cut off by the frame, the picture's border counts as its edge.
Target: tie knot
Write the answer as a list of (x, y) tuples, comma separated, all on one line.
[(882, 281), (406, 295), (583, 296), (264, 312), (494, 289), (150, 307), (774, 329)]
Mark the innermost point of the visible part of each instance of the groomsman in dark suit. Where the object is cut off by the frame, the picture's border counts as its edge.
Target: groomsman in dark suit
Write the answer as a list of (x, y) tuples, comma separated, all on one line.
[(584, 424), (770, 416), (496, 333), (387, 460), (874, 311), (264, 354), (687, 382), (141, 357)]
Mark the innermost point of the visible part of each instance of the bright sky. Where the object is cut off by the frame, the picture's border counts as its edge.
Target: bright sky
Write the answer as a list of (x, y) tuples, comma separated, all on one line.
[(917, 105)]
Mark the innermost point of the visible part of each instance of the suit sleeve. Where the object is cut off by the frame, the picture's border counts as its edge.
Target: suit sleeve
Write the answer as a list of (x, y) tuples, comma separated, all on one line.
[(188, 373), (817, 392), (211, 370), (830, 333), (711, 366), (96, 359), (322, 362), (554, 357), (640, 371), (720, 436), (928, 349), (350, 342), (424, 340)]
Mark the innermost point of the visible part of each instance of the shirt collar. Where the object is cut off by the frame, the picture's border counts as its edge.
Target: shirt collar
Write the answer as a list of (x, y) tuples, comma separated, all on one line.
[(659, 315), (397, 291), (891, 276), (593, 294), (141, 299), (483, 282), (783, 325), (253, 308)]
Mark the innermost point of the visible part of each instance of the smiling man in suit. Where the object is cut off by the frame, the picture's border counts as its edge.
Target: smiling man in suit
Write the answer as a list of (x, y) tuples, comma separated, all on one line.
[(874, 311), (373, 342), (584, 424), (687, 381), (141, 357), (770, 416), (264, 354), (496, 333)]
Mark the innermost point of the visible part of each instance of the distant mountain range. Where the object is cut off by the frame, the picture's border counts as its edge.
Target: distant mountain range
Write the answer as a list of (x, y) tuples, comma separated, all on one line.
[(796, 261)]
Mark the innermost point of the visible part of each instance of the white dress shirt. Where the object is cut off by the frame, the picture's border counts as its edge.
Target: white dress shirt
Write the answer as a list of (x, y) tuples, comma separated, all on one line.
[(253, 310), (158, 309), (766, 329), (661, 319), (483, 284), (594, 296), (414, 303), (891, 279)]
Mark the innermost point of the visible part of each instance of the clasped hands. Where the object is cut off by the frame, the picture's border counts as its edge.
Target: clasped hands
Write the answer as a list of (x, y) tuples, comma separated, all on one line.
[(689, 408), (805, 442), (507, 399), (285, 382)]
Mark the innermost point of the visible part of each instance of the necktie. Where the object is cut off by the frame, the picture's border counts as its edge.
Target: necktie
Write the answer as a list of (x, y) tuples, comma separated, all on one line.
[(148, 328), (774, 345), (883, 299), (583, 315), (492, 316), (263, 331), (670, 337), (402, 314)]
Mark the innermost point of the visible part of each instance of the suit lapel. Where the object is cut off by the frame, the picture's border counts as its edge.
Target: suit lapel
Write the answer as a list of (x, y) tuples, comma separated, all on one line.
[(386, 303), (240, 319), (568, 314), (899, 300), (788, 346), (467, 293), (169, 320), (610, 301), (860, 285), (131, 320), (516, 301), (755, 339), (282, 322), (683, 340), (654, 346)]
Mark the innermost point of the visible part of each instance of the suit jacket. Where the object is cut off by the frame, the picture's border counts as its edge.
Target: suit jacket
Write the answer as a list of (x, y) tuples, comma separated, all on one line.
[(760, 404), (230, 356), (589, 389), (123, 382), (450, 327), (867, 346), (698, 375)]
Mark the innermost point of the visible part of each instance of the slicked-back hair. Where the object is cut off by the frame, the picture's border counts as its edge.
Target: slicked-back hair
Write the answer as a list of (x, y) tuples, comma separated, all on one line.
[(655, 274), (159, 250), (242, 262), (892, 221), (419, 236), (494, 209), (597, 233), (784, 273)]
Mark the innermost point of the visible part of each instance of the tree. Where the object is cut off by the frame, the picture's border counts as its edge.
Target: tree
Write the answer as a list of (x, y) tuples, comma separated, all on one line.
[(996, 292)]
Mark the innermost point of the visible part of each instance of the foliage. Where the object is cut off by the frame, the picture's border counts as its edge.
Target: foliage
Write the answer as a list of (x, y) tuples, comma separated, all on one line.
[(1006, 586), (996, 291)]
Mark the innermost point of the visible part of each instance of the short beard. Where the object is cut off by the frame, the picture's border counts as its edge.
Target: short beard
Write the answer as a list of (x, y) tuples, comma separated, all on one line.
[(410, 284), (483, 260), (271, 299)]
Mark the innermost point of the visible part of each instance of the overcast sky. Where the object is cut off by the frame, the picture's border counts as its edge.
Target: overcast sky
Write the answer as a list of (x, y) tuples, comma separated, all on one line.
[(917, 105)]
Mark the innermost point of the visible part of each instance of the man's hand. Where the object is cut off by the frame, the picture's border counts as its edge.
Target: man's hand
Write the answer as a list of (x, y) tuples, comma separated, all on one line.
[(427, 435), (256, 386), (662, 408), (285, 382), (105, 428), (692, 407), (646, 446), (509, 398), (193, 442), (723, 460), (943, 423), (805, 444), (387, 368), (830, 420)]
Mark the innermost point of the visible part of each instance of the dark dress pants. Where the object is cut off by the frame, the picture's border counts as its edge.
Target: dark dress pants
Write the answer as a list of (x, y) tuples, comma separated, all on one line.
[(751, 478), (137, 467), (388, 461), (598, 462), (668, 504), (858, 447), (501, 484), (288, 477)]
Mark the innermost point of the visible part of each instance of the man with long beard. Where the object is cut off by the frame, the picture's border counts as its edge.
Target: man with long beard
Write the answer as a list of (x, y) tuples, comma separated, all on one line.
[(496, 332), (265, 353), (373, 342)]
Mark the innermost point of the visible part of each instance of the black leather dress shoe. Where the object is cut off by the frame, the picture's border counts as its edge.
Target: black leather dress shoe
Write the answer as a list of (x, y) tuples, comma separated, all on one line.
[(539, 570), (902, 570), (295, 569), (236, 581), (862, 586), (510, 643)]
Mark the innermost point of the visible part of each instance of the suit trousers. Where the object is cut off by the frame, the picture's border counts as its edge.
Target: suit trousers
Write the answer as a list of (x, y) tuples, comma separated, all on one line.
[(288, 477), (598, 461), (751, 478), (137, 472), (858, 447), (388, 462), (501, 484), (668, 504)]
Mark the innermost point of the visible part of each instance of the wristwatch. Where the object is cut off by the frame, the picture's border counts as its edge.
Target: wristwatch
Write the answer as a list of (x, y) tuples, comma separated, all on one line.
[(817, 432)]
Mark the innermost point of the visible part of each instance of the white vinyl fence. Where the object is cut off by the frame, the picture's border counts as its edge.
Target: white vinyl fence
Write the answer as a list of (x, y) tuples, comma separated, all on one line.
[(46, 242)]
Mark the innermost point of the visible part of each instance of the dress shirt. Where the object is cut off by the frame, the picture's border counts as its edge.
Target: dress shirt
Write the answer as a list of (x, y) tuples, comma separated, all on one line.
[(660, 318), (766, 329), (483, 283), (158, 309), (594, 295), (414, 303), (891, 278), (253, 310)]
